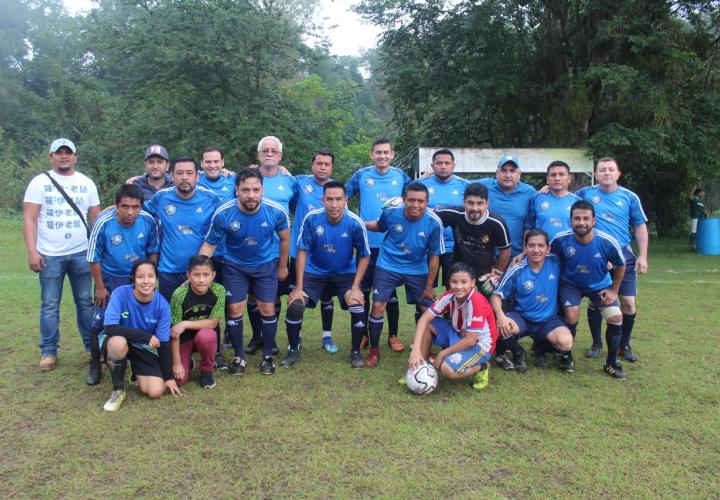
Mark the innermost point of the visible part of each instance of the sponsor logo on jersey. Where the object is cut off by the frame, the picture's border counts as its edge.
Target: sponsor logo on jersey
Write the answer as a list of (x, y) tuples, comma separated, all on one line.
[(393, 183), (551, 277), (141, 236), (170, 209), (199, 210), (456, 193), (598, 256), (280, 188), (234, 225), (421, 234), (116, 239), (344, 235), (264, 224), (619, 203)]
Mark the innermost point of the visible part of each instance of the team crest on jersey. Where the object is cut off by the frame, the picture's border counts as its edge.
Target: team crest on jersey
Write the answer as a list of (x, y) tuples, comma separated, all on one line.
[(570, 251), (485, 238), (234, 225), (308, 188), (369, 182), (171, 209), (320, 230), (528, 284), (116, 239), (595, 199), (398, 228), (544, 205)]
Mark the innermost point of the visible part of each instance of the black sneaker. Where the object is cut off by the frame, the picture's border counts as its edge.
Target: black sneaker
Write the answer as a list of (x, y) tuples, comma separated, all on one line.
[(504, 363), (628, 354), (253, 346), (94, 374), (267, 367), (539, 360), (567, 364), (207, 380), (220, 362), (356, 359), (519, 361), (615, 371), (237, 366), (594, 351), (290, 358)]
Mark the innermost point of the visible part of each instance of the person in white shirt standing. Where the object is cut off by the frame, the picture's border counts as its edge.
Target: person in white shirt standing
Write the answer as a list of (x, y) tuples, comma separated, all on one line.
[(55, 228)]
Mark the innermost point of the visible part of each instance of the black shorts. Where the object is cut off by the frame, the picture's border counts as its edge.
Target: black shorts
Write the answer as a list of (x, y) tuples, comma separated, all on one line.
[(144, 362)]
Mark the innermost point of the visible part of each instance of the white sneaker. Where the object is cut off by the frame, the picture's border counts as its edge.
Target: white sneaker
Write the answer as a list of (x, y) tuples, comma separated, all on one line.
[(115, 401)]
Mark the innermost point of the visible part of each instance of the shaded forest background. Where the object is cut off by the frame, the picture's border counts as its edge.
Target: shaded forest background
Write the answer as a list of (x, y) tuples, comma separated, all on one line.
[(637, 80)]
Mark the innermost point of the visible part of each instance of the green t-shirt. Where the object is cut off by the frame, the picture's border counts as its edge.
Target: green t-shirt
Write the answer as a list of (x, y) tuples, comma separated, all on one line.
[(186, 305)]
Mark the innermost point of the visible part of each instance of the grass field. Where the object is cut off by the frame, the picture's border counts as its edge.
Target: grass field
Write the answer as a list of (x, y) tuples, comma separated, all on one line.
[(321, 429)]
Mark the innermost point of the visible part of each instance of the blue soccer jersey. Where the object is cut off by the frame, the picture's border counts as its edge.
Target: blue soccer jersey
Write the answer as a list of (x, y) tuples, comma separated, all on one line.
[(408, 244), (250, 239), (535, 293), (310, 195), (183, 225), (116, 247), (125, 310), (282, 189), (222, 186), (330, 247), (374, 190), (585, 265), (512, 207), (443, 194), (615, 212), (550, 213)]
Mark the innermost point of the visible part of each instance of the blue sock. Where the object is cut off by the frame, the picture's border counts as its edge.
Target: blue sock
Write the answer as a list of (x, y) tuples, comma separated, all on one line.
[(393, 316), (268, 326), (293, 332), (612, 337), (627, 328), (595, 323), (375, 326), (254, 316), (235, 329)]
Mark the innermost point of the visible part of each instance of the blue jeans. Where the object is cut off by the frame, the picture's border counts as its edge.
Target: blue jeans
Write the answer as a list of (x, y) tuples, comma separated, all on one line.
[(52, 278)]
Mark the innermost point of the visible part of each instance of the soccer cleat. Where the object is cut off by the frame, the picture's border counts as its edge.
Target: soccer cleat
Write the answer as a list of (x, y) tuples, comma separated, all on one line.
[(482, 378), (237, 366), (220, 362), (94, 374), (567, 364), (253, 346), (290, 358), (395, 344), (364, 342), (47, 363), (519, 361), (539, 360), (373, 358), (594, 351), (329, 345), (628, 354), (615, 371), (115, 401), (356, 359), (504, 363), (267, 367), (207, 380)]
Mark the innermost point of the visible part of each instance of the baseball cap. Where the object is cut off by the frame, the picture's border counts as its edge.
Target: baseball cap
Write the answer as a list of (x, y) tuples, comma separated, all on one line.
[(62, 142), (509, 159), (157, 150)]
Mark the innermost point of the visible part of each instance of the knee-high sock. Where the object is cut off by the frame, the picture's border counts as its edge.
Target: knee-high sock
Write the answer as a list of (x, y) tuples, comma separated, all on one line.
[(358, 326), (375, 326), (613, 335), (254, 317), (595, 323), (117, 372), (94, 346), (268, 325), (293, 332), (393, 316), (627, 328), (326, 314), (512, 343), (235, 329)]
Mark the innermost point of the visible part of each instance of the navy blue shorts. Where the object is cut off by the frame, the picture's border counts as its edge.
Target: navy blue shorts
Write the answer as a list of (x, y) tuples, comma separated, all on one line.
[(571, 296), (111, 283), (461, 361), (536, 330), (446, 262), (628, 285), (218, 263), (385, 282), (238, 280), (169, 282), (288, 284), (367, 281), (325, 287)]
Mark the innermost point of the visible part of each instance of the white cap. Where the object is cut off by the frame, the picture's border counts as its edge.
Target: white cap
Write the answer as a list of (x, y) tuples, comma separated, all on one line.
[(62, 142)]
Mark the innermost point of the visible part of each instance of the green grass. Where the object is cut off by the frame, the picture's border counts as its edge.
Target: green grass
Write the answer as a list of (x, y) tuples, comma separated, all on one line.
[(324, 430)]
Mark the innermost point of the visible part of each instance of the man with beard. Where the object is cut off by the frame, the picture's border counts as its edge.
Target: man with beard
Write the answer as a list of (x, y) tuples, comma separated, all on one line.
[(156, 172)]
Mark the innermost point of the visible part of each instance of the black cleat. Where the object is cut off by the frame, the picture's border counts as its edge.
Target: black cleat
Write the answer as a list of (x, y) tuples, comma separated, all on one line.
[(615, 371), (290, 358), (253, 346), (628, 354), (94, 374), (567, 364), (207, 380), (519, 361), (356, 359), (220, 362), (267, 367), (539, 360), (594, 351), (504, 363), (237, 366)]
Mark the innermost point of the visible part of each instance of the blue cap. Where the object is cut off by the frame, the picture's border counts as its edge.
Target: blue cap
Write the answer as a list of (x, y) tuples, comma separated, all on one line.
[(60, 143), (509, 159), (157, 150)]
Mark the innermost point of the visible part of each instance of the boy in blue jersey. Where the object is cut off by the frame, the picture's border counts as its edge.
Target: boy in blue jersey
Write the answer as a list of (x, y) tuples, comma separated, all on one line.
[(120, 236), (375, 185), (446, 190), (310, 196), (550, 211), (533, 284), (585, 253), (509, 197), (330, 240), (251, 227), (618, 209), (184, 214), (409, 255)]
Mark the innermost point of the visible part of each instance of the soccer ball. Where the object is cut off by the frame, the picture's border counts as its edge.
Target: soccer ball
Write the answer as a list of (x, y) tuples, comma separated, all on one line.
[(422, 380)]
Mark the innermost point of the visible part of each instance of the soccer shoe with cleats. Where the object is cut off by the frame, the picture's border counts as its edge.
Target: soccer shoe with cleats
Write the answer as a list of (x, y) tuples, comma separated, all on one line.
[(539, 360), (615, 371), (594, 351), (373, 358), (115, 401), (267, 367), (329, 345), (207, 380), (567, 364), (237, 366), (290, 358), (504, 363), (395, 344), (628, 354), (356, 359), (519, 361), (482, 379), (221, 363)]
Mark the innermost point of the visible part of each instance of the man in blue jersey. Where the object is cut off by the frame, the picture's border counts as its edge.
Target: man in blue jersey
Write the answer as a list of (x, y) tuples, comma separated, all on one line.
[(184, 214), (121, 236), (310, 196), (251, 228), (446, 190), (156, 175), (585, 254), (510, 197), (550, 211), (409, 256), (533, 284), (329, 242), (375, 185), (618, 209)]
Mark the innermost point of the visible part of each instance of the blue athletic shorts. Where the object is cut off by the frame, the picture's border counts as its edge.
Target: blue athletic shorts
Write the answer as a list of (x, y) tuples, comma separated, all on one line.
[(317, 287), (111, 283), (385, 282), (169, 282), (571, 296), (462, 361), (628, 285), (536, 330), (288, 284), (238, 280)]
